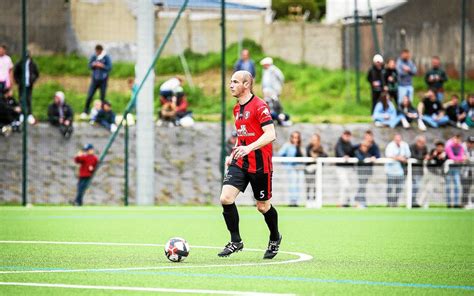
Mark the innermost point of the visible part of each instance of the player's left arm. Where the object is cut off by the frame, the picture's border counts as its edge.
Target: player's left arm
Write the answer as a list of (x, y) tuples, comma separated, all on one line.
[(268, 136)]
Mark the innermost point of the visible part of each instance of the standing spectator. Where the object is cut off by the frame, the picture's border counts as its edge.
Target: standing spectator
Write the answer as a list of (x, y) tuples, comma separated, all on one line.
[(10, 113), (435, 78), (245, 63), (468, 107), (406, 108), (419, 151), (6, 72), (31, 75), (385, 113), (455, 153), (431, 111), (100, 64), (106, 117), (345, 149), (399, 152), (374, 149), (375, 76), (406, 69), (61, 115), (88, 162), (314, 150), (391, 80), (293, 149), (364, 171), (435, 162), (467, 177), (272, 77), (455, 113)]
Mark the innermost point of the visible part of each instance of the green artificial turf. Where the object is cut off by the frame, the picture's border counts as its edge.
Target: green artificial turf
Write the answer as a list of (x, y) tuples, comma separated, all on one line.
[(364, 252)]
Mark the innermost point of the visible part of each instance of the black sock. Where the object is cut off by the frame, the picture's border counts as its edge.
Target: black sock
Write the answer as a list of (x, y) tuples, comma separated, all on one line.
[(231, 217), (271, 218)]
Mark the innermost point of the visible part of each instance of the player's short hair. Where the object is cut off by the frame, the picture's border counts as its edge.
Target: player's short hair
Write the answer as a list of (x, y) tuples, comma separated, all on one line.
[(247, 77)]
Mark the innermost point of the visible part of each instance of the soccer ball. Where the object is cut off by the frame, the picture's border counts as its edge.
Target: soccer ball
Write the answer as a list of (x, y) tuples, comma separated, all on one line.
[(176, 249)]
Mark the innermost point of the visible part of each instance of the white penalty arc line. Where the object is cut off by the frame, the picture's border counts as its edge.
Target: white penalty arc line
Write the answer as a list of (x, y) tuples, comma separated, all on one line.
[(301, 258), (141, 289)]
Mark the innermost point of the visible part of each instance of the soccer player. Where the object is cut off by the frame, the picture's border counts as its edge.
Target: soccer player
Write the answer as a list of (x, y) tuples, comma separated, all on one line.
[(250, 162)]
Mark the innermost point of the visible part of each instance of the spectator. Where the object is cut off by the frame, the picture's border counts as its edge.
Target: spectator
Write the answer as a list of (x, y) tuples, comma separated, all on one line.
[(455, 113), (385, 113), (468, 107), (245, 63), (10, 115), (406, 69), (435, 162), (30, 75), (391, 80), (293, 149), (431, 112), (435, 78), (467, 177), (314, 150), (272, 77), (230, 144), (61, 115), (100, 64), (455, 153), (345, 149), (106, 117), (276, 109), (406, 108), (88, 163), (168, 87), (95, 111), (419, 151), (375, 76), (399, 152), (364, 171), (6, 72), (174, 110)]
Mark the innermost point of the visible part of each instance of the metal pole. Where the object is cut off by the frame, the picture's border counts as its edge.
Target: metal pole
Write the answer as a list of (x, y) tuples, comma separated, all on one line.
[(223, 89), (356, 51), (24, 193), (374, 29), (125, 198), (463, 45)]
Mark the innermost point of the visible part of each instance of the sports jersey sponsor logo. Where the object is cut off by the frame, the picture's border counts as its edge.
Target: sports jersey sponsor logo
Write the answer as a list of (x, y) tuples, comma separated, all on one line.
[(242, 132), (247, 114)]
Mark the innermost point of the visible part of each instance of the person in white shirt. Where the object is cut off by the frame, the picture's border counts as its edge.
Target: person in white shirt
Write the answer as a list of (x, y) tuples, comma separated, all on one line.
[(6, 72), (399, 151)]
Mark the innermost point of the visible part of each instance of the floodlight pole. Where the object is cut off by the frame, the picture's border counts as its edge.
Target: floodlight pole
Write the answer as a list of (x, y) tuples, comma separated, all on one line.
[(145, 133), (24, 189), (223, 90), (356, 51)]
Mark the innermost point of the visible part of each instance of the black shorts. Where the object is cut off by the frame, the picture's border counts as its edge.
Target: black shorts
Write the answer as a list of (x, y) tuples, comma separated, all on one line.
[(261, 183)]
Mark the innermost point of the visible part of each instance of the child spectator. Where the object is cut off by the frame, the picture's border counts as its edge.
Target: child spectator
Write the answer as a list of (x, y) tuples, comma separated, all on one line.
[(10, 115), (431, 111), (406, 69), (407, 109), (385, 113), (399, 151), (61, 115), (314, 150), (435, 78), (95, 111), (375, 76), (6, 72), (455, 152), (106, 117), (391, 80), (88, 162), (468, 107), (293, 149), (455, 113)]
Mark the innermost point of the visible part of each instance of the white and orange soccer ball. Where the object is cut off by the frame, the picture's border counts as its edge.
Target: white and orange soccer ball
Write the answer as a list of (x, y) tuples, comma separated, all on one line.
[(176, 249)]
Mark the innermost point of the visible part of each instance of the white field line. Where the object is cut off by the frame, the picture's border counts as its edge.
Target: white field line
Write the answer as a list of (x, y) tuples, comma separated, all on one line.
[(141, 289), (301, 257)]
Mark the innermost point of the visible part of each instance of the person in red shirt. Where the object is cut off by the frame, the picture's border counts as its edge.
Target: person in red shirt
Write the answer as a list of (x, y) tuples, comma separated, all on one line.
[(87, 160), (250, 162)]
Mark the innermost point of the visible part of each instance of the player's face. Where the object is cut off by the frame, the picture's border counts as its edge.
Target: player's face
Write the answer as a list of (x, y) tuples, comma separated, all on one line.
[(236, 86)]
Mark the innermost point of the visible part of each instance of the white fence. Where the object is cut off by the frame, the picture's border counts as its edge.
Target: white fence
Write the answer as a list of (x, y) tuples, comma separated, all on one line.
[(346, 182)]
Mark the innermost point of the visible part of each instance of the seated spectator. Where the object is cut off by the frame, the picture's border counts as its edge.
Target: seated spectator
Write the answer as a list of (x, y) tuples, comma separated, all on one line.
[(385, 113), (431, 111), (314, 150), (167, 88), (95, 111), (399, 151), (468, 107), (455, 113), (435, 162), (419, 151), (455, 152), (106, 117), (407, 109), (276, 109), (230, 144), (174, 109), (435, 78), (61, 115), (345, 149), (364, 171), (391, 80), (293, 149), (10, 115)]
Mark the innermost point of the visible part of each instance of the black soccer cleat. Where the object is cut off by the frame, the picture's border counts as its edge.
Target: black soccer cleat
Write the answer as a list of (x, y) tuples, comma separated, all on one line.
[(230, 248), (272, 249)]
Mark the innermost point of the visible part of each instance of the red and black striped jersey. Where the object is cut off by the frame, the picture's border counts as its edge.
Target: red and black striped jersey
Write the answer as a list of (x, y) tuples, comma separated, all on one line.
[(249, 120)]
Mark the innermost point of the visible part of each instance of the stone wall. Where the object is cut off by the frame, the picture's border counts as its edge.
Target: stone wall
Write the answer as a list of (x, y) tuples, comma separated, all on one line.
[(186, 164)]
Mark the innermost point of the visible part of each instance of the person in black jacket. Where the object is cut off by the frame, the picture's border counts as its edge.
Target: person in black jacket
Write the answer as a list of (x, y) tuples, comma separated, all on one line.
[(435, 78), (419, 151), (375, 76), (391, 80), (10, 113), (345, 171), (61, 115), (364, 171), (31, 75)]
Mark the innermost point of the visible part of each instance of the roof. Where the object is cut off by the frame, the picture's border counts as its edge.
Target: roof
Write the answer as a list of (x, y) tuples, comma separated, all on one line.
[(206, 5)]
